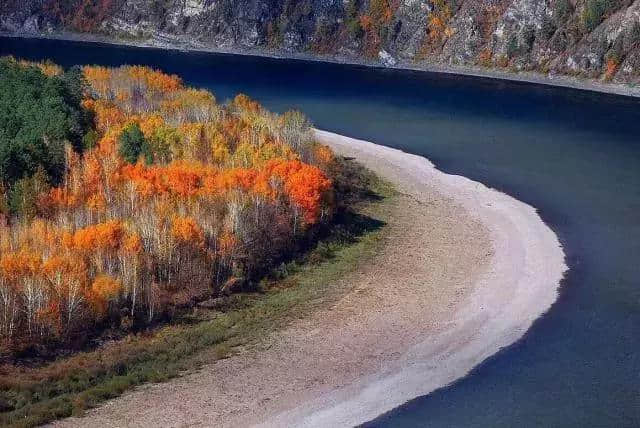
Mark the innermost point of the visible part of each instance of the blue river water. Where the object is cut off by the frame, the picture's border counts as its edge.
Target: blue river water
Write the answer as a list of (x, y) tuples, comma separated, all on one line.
[(574, 155)]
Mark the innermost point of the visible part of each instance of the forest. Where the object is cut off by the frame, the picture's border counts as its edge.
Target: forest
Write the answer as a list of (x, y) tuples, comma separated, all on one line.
[(127, 195)]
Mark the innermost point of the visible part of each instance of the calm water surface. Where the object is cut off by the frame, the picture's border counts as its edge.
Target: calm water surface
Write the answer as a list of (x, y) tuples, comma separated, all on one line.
[(574, 155)]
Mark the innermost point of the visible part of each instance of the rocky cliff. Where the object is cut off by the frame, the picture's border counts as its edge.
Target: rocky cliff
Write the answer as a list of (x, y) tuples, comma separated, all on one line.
[(598, 39)]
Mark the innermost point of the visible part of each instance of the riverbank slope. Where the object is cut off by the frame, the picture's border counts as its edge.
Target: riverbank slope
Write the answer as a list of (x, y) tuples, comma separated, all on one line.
[(557, 80), (592, 38), (464, 271)]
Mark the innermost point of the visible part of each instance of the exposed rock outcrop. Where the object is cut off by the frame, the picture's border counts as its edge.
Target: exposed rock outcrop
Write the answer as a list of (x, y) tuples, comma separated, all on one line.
[(598, 39)]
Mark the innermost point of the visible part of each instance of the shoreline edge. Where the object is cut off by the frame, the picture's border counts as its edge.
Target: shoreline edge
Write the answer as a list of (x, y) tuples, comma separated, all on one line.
[(520, 286)]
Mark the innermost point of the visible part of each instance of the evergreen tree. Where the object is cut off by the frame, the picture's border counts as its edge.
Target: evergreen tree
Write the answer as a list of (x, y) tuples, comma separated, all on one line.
[(132, 145), (39, 114)]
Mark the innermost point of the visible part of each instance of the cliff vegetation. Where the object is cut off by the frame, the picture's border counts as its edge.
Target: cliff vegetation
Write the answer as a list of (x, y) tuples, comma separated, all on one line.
[(596, 39)]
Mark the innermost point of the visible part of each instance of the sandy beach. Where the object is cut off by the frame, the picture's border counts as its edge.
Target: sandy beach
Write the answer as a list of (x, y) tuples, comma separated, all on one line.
[(463, 272)]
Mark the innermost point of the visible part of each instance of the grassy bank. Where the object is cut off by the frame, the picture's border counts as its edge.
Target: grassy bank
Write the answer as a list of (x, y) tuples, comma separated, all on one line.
[(34, 395)]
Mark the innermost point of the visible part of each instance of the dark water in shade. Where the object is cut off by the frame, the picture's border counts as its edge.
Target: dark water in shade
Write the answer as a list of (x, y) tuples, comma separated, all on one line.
[(574, 155)]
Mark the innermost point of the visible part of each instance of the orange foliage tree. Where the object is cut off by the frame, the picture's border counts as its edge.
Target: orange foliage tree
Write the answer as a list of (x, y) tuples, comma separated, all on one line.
[(375, 24), (229, 189)]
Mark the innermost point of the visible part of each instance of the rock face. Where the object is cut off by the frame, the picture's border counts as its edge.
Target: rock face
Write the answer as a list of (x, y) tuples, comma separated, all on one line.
[(598, 39)]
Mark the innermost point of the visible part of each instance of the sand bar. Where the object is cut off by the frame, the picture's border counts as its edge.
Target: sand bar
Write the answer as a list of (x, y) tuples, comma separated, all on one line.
[(464, 271)]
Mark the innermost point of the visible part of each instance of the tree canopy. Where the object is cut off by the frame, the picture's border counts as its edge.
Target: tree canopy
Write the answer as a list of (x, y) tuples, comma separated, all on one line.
[(39, 114), (173, 199), (132, 144)]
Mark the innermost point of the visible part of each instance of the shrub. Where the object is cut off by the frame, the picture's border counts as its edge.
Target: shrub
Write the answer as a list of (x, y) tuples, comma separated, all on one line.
[(593, 14), (512, 46), (548, 28), (632, 36), (596, 10), (529, 36), (561, 11), (352, 9)]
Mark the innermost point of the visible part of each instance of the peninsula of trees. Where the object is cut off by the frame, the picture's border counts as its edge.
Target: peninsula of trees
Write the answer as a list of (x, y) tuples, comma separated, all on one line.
[(127, 195)]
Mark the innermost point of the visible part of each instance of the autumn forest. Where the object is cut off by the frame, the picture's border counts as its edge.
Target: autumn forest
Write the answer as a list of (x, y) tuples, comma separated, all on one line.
[(141, 196)]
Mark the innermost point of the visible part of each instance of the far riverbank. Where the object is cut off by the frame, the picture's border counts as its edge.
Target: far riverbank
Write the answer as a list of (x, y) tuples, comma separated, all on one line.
[(475, 71)]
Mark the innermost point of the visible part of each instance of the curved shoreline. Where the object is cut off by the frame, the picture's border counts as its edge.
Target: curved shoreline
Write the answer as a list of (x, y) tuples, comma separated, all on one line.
[(561, 81), (528, 265), (466, 272)]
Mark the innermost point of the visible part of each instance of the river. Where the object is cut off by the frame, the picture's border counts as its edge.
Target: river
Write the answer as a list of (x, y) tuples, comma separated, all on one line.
[(574, 155)]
